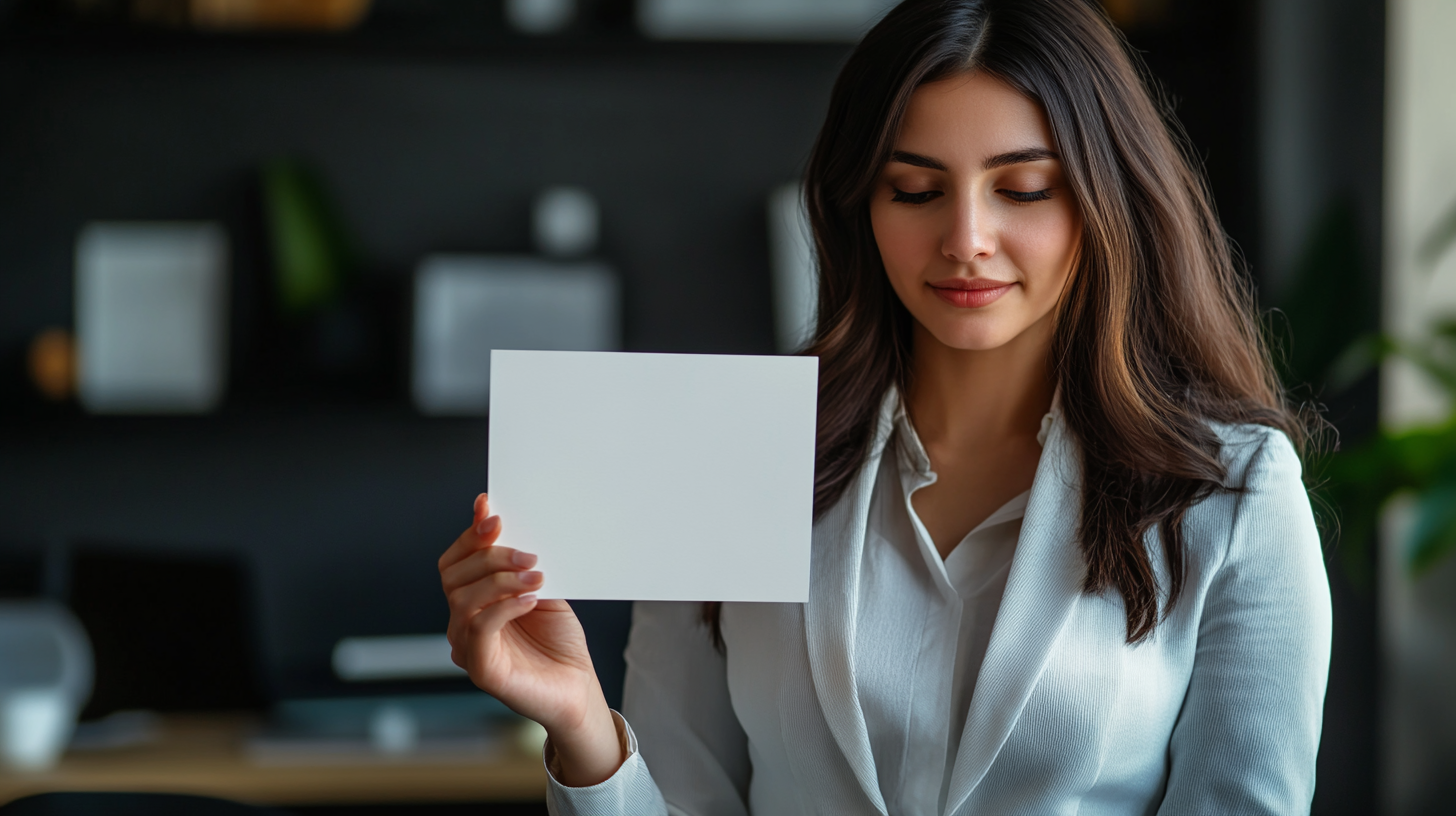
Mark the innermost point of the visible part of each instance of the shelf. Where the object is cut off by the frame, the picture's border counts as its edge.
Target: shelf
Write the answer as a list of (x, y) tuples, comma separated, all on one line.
[(71, 421), (488, 45)]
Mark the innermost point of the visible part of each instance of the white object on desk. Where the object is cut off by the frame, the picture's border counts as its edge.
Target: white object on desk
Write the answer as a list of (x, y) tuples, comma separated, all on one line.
[(833, 20), (394, 730), (151, 317), (45, 679), (795, 273), (466, 305), (394, 657), (656, 476)]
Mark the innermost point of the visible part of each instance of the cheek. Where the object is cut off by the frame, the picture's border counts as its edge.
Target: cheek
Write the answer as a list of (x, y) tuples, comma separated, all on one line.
[(1044, 247), (906, 243)]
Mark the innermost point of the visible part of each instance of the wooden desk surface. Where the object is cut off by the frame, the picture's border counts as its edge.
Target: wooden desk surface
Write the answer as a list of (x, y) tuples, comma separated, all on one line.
[(205, 755)]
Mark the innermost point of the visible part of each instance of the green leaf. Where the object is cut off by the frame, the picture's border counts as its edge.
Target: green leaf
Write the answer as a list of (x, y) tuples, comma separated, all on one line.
[(1444, 329), (311, 253), (1434, 534), (1439, 239), (1359, 481), (1430, 362), (1354, 485), (1358, 359)]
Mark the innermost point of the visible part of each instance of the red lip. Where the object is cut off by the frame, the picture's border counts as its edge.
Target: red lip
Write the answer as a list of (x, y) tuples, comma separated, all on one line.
[(970, 293)]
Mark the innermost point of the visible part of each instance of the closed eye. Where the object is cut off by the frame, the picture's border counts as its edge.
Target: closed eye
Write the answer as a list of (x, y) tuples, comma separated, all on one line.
[(1027, 197), (914, 198)]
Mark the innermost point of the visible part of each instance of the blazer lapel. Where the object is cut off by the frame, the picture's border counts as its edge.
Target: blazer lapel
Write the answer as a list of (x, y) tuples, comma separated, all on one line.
[(1041, 592), (832, 612)]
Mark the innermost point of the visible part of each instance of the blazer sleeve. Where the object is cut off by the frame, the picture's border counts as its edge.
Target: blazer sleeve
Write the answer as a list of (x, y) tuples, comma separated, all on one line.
[(677, 718), (1246, 739)]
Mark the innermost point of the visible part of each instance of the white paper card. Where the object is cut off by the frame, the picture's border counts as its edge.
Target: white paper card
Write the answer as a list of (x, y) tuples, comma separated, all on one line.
[(674, 477)]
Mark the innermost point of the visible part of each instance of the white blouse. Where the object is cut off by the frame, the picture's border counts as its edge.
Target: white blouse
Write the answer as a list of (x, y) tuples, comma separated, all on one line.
[(924, 624), (934, 616)]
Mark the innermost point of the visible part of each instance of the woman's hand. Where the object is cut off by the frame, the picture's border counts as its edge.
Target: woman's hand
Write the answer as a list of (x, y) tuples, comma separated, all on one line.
[(528, 653)]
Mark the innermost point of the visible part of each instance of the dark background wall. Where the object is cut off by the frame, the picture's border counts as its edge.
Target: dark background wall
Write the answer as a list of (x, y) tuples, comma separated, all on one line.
[(342, 504), (1321, 138)]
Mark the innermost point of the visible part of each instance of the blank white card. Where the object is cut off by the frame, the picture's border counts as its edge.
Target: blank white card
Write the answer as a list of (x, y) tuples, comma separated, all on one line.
[(675, 477)]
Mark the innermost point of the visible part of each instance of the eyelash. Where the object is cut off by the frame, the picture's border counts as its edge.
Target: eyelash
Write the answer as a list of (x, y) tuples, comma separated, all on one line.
[(913, 198), (1026, 198), (1015, 195)]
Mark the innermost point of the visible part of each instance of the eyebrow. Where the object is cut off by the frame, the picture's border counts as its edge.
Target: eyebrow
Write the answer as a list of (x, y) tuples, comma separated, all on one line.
[(1010, 157)]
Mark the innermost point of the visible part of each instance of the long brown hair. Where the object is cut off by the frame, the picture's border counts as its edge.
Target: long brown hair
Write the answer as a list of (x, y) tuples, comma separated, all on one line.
[(1156, 334)]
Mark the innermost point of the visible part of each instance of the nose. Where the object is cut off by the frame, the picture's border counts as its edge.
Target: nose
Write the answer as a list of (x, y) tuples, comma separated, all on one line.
[(970, 235)]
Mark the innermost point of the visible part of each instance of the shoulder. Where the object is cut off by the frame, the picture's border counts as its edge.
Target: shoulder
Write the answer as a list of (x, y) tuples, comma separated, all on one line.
[(1255, 549), (1257, 457), (1263, 496), (1264, 515)]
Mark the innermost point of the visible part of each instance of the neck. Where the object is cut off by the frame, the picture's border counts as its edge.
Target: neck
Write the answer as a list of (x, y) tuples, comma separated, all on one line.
[(959, 397)]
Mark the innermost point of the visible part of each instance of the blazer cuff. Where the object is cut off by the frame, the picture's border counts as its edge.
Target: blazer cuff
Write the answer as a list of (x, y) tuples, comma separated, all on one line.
[(628, 791)]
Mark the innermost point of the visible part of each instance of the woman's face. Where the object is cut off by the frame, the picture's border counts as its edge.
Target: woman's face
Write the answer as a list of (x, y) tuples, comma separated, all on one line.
[(975, 222)]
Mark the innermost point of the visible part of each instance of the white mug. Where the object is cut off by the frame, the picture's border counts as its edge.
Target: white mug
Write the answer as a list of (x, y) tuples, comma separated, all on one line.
[(45, 679), (35, 725)]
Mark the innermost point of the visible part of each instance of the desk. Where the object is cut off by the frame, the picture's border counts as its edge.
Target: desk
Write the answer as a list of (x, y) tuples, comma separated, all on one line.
[(204, 754)]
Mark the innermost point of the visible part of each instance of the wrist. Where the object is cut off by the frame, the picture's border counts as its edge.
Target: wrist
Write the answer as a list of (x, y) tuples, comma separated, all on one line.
[(589, 752)]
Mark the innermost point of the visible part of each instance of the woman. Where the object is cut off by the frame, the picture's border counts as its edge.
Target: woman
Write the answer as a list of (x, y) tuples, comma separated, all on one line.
[(1062, 558)]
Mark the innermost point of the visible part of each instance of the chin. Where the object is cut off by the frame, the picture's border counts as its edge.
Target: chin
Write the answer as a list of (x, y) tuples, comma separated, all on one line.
[(974, 338)]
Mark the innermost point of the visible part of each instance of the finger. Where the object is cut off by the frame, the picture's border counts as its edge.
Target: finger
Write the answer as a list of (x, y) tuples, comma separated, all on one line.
[(480, 526), (465, 601), (488, 622), (481, 563), (458, 631), (480, 536)]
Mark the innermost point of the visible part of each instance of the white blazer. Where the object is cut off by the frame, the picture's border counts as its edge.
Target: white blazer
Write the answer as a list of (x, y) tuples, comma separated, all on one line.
[(1218, 713)]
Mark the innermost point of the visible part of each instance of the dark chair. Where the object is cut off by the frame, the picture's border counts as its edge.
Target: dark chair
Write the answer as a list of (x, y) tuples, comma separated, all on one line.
[(130, 804)]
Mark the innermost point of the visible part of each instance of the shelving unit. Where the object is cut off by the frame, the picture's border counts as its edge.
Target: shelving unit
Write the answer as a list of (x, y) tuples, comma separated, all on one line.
[(430, 143)]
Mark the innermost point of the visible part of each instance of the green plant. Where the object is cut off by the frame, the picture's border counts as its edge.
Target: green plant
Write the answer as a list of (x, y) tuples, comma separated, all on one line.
[(1421, 460), (1359, 481), (312, 252)]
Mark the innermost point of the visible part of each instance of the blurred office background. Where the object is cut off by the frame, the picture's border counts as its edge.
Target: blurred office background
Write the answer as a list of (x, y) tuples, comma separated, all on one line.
[(320, 178)]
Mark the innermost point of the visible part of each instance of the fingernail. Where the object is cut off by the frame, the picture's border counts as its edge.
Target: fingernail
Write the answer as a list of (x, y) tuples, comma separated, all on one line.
[(487, 525), (523, 559), (527, 599), (530, 577)]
